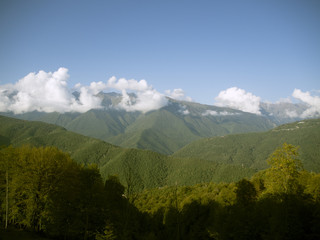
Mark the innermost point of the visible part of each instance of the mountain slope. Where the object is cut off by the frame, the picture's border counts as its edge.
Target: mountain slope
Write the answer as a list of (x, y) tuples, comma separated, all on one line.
[(145, 168), (168, 129), (83, 149), (165, 130), (252, 149)]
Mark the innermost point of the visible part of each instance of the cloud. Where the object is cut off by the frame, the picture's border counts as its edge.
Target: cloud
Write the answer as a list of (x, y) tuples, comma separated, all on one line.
[(183, 110), (178, 94), (291, 113), (47, 92), (215, 113), (237, 98), (145, 97), (313, 103)]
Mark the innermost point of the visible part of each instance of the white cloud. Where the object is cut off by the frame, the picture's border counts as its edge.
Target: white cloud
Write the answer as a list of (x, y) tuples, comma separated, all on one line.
[(237, 98), (87, 98), (146, 98), (313, 103), (291, 114), (178, 94), (47, 92), (130, 84), (184, 110), (215, 113)]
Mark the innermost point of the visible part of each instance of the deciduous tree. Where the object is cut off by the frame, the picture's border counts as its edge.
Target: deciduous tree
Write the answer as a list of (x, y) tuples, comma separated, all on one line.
[(284, 171)]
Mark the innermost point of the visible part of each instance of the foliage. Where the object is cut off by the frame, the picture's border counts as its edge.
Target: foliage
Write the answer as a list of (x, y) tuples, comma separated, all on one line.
[(285, 169), (50, 193)]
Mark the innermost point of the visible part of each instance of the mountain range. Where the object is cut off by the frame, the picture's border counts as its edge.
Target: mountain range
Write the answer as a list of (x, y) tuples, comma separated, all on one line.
[(148, 169), (219, 159), (167, 129)]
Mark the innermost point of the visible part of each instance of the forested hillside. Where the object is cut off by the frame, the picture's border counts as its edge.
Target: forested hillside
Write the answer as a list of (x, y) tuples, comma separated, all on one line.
[(82, 149), (149, 169), (252, 149)]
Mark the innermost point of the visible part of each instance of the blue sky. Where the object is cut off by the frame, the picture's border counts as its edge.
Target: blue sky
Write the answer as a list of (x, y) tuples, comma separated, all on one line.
[(268, 48)]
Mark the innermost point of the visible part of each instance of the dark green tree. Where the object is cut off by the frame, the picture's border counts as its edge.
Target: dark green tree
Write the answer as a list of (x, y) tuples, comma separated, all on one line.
[(246, 193), (7, 161), (92, 200)]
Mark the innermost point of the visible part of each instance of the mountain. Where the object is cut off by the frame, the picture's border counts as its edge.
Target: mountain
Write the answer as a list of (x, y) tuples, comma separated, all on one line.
[(145, 168), (252, 149), (282, 112), (83, 149), (165, 130)]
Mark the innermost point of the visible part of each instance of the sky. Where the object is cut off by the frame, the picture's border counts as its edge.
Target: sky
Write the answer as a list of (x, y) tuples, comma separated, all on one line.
[(227, 53)]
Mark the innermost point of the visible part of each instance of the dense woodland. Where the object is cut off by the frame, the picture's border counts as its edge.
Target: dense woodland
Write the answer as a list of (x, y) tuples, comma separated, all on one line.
[(44, 190)]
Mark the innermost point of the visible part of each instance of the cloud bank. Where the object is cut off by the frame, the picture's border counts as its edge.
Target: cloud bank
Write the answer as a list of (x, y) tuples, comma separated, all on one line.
[(146, 98), (239, 99), (313, 103), (47, 92)]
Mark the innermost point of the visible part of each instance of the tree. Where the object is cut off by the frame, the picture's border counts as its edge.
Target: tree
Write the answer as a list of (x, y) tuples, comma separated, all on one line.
[(243, 217), (63, 206), (246, 193), (37, 172), (7, 158), (92, 200), (313, 187), (113, 188), (283, 175)]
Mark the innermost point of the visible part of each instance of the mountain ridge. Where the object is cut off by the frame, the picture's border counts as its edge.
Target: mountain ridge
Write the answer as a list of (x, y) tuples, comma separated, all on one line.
[(164, 130)]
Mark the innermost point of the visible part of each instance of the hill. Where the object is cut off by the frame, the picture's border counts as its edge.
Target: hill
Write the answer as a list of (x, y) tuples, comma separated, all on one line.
[(83, 149), (252, 149), (142, 168), (165, 130)]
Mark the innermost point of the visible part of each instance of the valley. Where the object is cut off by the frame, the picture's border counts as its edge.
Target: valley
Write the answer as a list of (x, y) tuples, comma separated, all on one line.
[(165, 130)]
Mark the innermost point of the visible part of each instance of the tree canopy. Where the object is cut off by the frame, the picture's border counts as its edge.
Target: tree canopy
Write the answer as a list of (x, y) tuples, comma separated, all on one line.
[(44, 190)]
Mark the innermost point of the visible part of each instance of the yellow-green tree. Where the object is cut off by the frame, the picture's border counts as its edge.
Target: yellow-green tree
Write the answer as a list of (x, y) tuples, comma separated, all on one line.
[(35, 176), (285, 167)]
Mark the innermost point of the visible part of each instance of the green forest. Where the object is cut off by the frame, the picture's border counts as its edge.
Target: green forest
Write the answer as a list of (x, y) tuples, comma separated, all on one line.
[(42, 190)]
